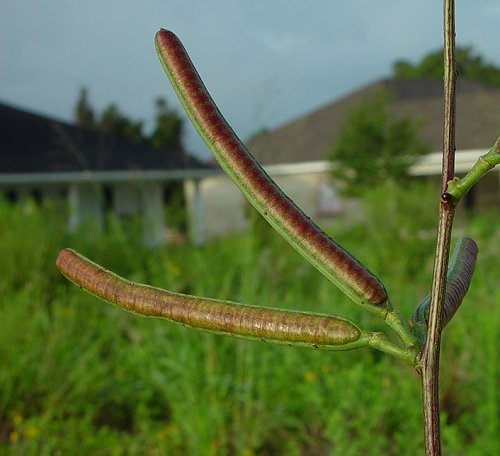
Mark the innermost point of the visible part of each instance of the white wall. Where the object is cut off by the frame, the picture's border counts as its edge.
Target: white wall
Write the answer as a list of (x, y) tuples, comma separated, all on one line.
[(224, 206)]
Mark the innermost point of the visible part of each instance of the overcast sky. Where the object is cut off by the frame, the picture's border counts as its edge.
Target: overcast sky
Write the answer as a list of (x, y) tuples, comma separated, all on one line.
[(265, 62)]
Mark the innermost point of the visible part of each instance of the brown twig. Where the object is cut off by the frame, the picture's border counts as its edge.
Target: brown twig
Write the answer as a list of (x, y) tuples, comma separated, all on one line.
[(429, 358)]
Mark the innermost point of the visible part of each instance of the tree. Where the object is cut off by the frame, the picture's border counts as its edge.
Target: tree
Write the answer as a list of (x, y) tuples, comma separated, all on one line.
[(469, 64), (113, 122), (372, 147), (84, 114), (168, 127)]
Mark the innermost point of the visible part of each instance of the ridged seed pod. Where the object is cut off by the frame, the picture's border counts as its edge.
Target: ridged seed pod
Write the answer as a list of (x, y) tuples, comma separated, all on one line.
[(257, 186), (221, 317), (458, 279)]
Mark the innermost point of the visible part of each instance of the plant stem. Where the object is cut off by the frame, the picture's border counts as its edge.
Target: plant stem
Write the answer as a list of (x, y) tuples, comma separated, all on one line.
[(429, 357), (395, 321), (457, 188), (380, 341)]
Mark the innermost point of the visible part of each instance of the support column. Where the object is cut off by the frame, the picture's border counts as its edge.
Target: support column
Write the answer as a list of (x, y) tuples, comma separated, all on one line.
[(85, 207), (194, 203), (153, 218)]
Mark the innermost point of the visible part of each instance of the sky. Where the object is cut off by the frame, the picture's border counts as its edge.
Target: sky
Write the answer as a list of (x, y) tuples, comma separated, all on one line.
[(265, 62)]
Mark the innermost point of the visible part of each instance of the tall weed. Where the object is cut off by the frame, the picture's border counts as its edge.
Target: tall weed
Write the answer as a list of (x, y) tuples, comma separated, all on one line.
[(78, 376)]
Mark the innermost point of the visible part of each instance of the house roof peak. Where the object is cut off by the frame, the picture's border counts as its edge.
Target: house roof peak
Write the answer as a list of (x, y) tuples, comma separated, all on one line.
[(310, 137), (34, 143)]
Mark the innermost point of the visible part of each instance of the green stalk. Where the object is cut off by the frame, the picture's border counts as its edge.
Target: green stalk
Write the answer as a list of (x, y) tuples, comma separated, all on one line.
[(380, 341), (458, 187)]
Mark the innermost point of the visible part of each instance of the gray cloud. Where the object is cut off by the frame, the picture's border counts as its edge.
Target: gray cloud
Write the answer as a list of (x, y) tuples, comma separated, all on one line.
[(265, 62)]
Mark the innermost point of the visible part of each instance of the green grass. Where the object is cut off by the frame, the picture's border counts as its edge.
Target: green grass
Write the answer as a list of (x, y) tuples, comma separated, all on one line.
[(78, 376)]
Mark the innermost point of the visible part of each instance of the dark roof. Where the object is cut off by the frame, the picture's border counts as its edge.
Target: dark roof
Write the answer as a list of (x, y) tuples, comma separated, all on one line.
[(32, 143), (310, 137)]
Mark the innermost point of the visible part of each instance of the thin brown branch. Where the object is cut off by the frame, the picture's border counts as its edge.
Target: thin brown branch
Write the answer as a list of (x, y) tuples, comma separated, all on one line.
[(449, 95), (429, 358)]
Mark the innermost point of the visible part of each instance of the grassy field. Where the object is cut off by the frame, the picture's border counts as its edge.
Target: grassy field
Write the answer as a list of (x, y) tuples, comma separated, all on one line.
[(78, 376)]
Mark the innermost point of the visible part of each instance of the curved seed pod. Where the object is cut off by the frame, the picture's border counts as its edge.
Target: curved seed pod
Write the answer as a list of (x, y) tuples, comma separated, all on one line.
[(457, 283), (257, 186), (221, 317)]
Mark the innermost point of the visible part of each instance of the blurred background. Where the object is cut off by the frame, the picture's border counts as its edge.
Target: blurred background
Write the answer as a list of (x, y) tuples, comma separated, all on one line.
[(265, 63), (342, 104)]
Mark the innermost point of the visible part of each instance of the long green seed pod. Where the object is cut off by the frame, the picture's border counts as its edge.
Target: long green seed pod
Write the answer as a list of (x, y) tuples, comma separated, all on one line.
[(457, 283), (221, 317), (257, 186)]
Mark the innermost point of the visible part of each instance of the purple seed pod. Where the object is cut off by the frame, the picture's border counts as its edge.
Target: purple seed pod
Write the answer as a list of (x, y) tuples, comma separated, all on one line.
[(305, 236), (458, 280), (221, 317)]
